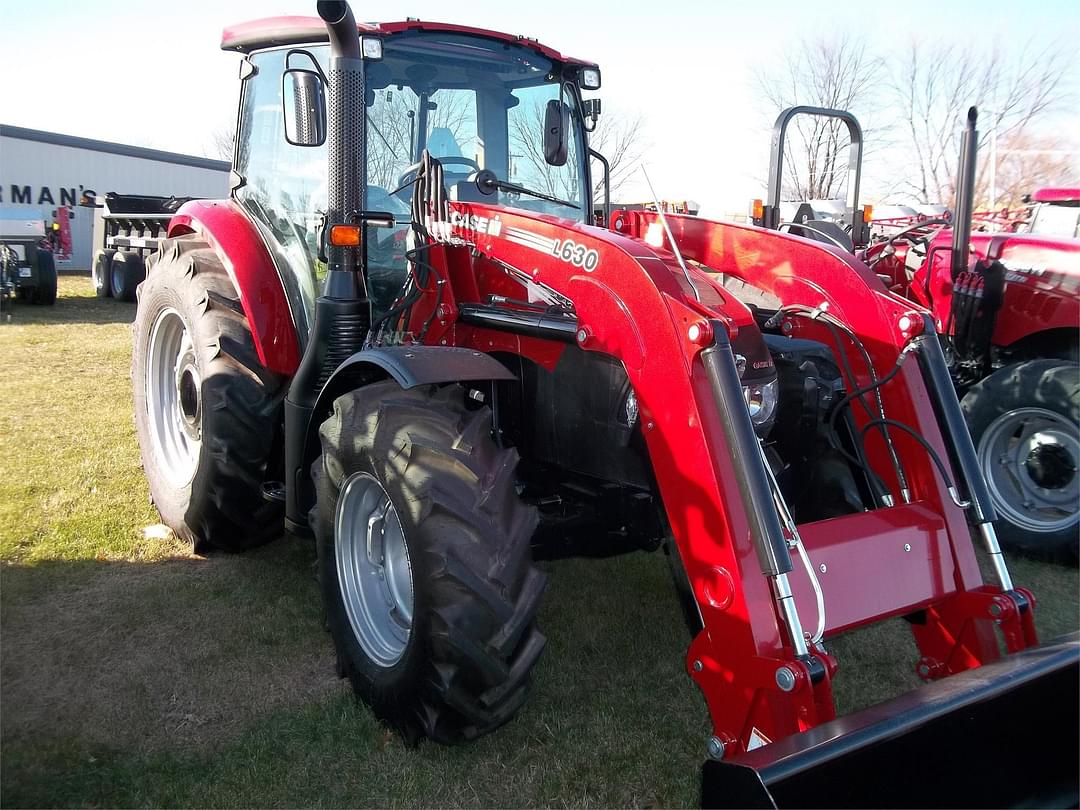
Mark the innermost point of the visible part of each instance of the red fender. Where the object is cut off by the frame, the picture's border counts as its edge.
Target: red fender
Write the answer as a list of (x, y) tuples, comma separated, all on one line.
[(233, 237)]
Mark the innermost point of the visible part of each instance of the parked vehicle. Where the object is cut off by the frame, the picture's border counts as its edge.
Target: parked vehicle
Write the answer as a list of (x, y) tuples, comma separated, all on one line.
[(128, 229), (29, 268), (1055, 212), (420, 350)]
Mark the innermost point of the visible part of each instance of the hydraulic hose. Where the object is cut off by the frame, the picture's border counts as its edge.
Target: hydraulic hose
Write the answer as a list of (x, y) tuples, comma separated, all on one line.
[(834, 324)]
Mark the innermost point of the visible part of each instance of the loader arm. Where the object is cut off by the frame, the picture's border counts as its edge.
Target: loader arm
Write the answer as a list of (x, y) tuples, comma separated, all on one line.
[(632, 301)]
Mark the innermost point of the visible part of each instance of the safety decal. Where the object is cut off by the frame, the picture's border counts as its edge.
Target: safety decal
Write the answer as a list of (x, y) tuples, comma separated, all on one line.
[(757, 740), (565, 250)]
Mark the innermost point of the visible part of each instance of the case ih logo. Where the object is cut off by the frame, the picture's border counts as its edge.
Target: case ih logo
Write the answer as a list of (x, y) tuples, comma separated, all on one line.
[(478, 224), (25, 195)]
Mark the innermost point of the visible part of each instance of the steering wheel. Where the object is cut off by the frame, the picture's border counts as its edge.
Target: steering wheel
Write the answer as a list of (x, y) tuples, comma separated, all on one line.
[(410, 173)]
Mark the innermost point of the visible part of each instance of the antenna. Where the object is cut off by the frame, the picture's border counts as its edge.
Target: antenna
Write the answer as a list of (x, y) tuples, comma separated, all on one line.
[(671, 239)]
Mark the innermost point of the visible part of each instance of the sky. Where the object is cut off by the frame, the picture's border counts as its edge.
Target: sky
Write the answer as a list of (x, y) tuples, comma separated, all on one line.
[(151, 74)]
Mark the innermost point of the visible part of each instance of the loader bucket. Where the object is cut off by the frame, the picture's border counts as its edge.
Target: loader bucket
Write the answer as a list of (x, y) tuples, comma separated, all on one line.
[(1005, 734)]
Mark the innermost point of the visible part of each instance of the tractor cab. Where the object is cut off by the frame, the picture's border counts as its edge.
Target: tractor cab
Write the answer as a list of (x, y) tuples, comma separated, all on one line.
[(507, 112)]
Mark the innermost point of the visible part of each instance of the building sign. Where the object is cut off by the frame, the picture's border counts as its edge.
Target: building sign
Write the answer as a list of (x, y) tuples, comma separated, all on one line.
[(40, 195)]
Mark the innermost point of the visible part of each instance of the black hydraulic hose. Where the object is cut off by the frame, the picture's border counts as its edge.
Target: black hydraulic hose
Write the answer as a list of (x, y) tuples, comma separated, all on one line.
[(921, 440), (428, 203), (833, 324), (859, 392)]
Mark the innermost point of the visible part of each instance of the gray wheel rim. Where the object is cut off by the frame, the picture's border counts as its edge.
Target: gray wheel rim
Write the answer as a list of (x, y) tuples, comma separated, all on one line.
[(1006, 451), (173, 398), (374, 571), (117, 279)]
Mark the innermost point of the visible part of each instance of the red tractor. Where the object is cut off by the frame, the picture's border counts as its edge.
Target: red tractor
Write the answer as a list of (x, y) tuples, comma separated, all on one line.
[(403, 335), (1054, 212), (1008, 306)]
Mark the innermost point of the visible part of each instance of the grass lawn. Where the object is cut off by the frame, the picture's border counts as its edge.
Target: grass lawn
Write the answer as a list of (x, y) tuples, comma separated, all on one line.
[(134, 673)]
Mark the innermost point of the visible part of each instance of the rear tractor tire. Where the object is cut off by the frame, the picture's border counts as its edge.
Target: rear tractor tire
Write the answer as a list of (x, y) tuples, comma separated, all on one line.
[(424, 561), (205, 408), (1024, 423), (126, 273), (102, 273)]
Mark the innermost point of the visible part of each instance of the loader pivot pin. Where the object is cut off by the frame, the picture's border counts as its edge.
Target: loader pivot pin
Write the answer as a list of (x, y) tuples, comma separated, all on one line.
[(785, 679), (715, 748)]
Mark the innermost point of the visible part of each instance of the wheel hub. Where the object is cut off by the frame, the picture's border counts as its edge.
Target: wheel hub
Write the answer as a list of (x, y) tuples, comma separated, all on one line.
[(188, 398), (374, 570), (1029, 459), (1050, 466), (173, 398)]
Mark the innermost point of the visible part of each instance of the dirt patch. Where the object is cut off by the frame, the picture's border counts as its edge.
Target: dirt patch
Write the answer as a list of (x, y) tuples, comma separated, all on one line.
[(146, 656)]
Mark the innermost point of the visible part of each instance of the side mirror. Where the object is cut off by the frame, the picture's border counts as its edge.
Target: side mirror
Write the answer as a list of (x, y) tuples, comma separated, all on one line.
[(303, 102), (556, 126)]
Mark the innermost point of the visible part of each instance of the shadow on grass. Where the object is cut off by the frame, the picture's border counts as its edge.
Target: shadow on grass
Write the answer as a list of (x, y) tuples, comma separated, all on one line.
[(72, 310), (210, 682), (147, 656)]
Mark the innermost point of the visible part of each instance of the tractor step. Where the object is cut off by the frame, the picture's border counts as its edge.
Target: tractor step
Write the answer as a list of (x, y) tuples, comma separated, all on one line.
[(1001, 735)]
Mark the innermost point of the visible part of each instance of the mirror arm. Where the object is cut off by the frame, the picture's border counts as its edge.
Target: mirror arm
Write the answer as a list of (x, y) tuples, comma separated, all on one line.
[(309, 55), (607, 185)]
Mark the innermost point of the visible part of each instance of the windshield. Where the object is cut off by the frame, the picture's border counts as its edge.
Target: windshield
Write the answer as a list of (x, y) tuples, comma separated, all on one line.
[(474, 104), (1056, 220)]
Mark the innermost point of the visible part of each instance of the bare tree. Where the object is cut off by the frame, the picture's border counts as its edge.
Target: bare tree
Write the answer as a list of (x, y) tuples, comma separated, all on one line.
[(1027, 162), (934, 84), (823, 71), (223, 141), (620, 137)]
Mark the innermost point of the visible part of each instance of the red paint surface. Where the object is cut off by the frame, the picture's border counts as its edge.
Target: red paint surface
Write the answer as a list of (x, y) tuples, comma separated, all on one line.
[(636, 305), (268, 32), (1053, 195), (228, 230), (1042, 288)]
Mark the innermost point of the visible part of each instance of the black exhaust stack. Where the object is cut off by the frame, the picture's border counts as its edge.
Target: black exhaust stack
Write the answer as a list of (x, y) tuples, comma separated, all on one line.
[(342, 312), (964, 205)]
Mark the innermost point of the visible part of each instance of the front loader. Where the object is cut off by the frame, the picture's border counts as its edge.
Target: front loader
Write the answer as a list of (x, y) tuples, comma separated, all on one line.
[(402, 335)]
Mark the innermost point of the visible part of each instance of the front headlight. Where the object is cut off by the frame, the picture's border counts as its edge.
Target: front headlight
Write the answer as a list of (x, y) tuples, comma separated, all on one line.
[(761, 398)]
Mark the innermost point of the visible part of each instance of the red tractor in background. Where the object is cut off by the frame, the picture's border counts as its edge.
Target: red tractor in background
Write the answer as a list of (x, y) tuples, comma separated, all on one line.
[(402, 334), (1008, 305), (1054, 212)]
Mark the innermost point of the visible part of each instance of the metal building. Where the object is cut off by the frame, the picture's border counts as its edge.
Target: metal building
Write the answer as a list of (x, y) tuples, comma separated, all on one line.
[(40, 171)]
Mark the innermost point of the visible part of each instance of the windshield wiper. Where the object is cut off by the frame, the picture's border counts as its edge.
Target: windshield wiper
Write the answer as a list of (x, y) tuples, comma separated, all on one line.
[(488, 182)]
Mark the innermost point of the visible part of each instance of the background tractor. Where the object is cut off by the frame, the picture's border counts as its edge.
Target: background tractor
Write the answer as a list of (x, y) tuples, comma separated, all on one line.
[(1008, 306), (403, 335)]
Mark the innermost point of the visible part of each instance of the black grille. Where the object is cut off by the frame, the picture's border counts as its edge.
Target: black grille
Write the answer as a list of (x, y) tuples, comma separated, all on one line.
[(346, 145), (346, 338)]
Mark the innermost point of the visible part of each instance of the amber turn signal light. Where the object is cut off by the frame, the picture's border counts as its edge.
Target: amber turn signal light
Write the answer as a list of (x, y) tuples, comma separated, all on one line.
[(345, 235)]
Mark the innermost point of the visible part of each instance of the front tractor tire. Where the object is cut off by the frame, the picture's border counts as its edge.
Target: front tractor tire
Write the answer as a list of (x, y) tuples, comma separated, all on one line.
[(1025, 423), (424, 561), (205, 408)]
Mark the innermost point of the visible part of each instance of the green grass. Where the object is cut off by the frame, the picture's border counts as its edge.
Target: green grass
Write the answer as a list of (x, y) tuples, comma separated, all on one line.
[(133, 673)]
